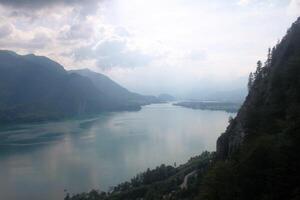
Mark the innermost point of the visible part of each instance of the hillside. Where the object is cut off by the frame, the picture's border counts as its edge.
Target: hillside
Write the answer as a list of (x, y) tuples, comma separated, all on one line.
[(274, 98), (261, 145), (258, 155), (115, 91), (35, 88)]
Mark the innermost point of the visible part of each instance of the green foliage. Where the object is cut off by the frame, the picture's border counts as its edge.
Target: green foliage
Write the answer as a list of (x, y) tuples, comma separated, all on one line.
[(161, 182), (220, 182), (265, 168), (92, 195)]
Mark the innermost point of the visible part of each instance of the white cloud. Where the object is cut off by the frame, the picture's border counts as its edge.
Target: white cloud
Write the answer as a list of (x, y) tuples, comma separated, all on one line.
[(81, 30), (5, 30), (294, 8), (113, 53), (243, 2)]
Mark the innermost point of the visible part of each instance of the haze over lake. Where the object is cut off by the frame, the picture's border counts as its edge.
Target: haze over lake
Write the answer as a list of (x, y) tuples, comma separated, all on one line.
[(39, 161)]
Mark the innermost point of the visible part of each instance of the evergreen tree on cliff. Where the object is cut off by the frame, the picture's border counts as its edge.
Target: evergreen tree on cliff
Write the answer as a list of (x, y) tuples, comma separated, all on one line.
[(258, 155)]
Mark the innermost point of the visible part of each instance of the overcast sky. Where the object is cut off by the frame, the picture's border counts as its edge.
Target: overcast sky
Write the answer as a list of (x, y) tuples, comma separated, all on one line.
[(150, 46)]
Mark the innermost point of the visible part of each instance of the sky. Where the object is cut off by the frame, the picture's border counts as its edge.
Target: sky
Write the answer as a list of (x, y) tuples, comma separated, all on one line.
[(151, 46)]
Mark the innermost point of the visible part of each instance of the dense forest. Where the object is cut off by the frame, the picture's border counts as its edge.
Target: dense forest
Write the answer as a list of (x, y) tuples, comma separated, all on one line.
[(258, 155)]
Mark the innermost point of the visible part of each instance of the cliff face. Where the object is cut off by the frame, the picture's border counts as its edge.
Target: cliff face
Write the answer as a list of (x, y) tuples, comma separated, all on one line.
[(273, 103)]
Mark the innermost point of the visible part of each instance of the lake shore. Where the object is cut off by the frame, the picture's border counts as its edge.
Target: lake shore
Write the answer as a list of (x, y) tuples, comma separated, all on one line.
[(218, 106)]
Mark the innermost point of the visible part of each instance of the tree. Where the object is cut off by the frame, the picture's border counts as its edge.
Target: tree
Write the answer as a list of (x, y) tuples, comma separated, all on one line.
[(259, 66), (250, 81), (230, 119), (269, 58), (258, 69)]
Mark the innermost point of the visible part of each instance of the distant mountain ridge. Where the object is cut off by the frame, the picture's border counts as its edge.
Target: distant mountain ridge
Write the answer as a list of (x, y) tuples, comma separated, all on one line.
[(166, 97), (114, 90), (36, 88)]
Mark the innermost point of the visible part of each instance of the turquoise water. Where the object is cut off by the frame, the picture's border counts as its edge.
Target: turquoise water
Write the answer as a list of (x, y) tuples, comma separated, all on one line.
[(39, 161)]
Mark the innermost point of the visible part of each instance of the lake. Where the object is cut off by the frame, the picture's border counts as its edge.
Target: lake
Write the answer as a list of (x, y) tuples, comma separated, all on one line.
[(40, 161)]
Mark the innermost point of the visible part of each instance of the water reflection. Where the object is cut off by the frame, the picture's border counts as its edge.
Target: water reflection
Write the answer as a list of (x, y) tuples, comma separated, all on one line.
[(40, 161)]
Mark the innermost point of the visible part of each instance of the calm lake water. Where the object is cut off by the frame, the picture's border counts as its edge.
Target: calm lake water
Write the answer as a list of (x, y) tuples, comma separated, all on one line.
[(39, 161)]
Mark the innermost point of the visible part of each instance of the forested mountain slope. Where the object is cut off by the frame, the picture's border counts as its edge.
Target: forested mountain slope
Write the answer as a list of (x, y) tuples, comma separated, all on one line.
[(273, 102), (260, 148), (35, 88)]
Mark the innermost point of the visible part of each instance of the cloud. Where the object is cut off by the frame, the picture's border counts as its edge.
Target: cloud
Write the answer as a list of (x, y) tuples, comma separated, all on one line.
[(116, 54), (113, 53), (5, 30), (29, 8), (77, 31), (121, 31), (36, 4), (197, 55), (294, 8), (243, 2), (38, 42)]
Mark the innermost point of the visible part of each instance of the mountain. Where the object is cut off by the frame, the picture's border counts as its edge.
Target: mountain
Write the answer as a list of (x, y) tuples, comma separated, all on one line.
[(234, 90), (257, 156), (259, 152), (115, 91), (36, 88), (274, 99), (166, 97)]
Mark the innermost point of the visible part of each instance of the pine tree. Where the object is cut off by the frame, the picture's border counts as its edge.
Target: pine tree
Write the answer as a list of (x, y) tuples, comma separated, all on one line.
[(250, 81), (259, 66), (258, 69), (269, 58)]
